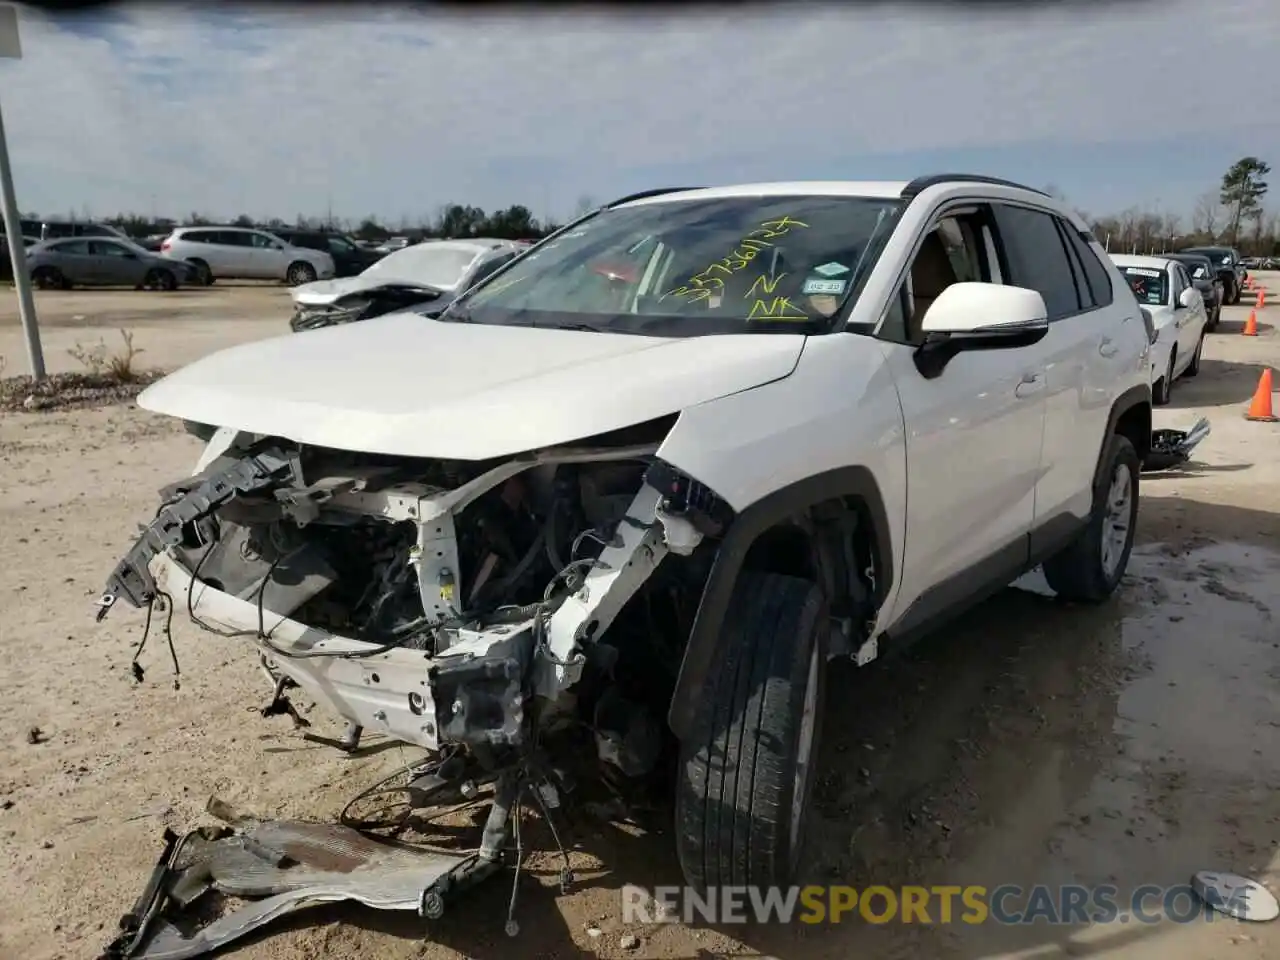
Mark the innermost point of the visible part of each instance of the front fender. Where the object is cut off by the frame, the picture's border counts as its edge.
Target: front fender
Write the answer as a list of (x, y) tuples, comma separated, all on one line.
[(833, 429)]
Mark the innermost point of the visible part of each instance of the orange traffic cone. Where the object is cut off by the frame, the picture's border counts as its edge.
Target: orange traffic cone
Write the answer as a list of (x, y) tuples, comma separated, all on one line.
[(1262, 298), (1251, 325), (1260, 406)]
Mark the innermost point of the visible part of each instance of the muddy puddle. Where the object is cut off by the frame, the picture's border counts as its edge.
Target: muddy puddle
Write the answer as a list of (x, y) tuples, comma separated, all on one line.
[(1042, 743)]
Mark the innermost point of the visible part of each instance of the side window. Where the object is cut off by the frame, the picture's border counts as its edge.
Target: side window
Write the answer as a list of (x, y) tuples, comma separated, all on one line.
[(1037, 258), (105, 248), (79, 248), (193, 236), (1083, 294), (487, 268), (261, 241), (1095, 274), (952, 252)]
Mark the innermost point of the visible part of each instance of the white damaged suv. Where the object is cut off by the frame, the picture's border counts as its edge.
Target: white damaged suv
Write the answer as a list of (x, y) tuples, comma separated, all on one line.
[(626, 498)]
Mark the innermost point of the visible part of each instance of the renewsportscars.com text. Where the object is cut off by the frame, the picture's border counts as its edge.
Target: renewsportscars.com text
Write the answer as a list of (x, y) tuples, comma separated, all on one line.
[(1007, 904)]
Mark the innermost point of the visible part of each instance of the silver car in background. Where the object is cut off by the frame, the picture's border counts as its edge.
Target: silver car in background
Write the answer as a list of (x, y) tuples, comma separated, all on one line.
[(429, 274), (102, 261), (241, 253)]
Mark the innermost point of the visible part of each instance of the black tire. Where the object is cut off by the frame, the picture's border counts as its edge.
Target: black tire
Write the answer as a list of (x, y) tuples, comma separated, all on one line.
[(160, 279), (1162, 393), (204, 275), (1083, 572), (1233, 294), (1213, 320), (299, 272), (49, 278), (741, 768), (1194, 366)]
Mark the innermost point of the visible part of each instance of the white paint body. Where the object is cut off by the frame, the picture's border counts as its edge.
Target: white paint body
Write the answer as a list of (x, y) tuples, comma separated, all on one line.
[(1179, 327), (1001, 442)]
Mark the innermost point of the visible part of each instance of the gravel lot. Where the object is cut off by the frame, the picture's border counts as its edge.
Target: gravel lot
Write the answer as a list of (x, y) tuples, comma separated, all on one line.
[(1031, 743)]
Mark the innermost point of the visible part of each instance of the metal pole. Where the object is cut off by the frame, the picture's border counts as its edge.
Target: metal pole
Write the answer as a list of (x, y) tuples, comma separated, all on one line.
[(18, 257)]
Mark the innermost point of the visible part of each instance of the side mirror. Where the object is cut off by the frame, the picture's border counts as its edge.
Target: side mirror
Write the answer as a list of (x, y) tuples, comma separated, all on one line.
[(1187, 298), (979, 316)]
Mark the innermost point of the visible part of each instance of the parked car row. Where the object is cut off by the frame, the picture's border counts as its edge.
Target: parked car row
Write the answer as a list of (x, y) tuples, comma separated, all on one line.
[(1167, 289)]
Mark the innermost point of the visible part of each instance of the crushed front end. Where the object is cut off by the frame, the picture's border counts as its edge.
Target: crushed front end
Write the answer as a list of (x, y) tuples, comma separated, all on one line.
[(512, 617)]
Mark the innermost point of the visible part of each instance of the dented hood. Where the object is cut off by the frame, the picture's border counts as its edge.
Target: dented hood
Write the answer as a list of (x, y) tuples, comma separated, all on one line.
[(324, 292), (410, 386)]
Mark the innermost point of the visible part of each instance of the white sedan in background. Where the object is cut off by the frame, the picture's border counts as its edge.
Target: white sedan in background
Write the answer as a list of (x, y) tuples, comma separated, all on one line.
[(428, 274), (1177, 310)]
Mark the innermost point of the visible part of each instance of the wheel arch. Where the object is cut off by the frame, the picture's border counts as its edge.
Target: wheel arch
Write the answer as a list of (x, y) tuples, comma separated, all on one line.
[(1131, 418), (799, 530)]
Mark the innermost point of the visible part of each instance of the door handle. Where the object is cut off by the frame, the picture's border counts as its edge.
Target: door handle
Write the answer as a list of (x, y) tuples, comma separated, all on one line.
[(1029, 386), (1107, 347)]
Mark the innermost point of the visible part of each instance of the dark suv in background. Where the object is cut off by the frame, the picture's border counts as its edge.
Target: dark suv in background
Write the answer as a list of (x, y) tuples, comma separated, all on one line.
[(1230, 267), (1204, 276), (349, 257)]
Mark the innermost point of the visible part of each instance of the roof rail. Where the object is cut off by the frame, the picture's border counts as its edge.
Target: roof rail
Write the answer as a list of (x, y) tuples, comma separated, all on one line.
[(920, 184), (646, 194)]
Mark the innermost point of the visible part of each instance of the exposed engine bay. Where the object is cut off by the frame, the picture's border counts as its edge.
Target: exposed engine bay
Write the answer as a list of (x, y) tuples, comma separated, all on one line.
[(496, 614)]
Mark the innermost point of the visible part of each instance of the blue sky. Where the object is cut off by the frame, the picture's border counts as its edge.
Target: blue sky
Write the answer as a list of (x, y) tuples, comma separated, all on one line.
[(373, 109)]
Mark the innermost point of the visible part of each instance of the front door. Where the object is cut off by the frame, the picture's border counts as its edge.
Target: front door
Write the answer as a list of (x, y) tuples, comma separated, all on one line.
[(973, 434)]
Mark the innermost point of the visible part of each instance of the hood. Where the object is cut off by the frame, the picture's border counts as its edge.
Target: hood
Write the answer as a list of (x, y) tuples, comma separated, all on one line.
[(406, 385), (321, 293)]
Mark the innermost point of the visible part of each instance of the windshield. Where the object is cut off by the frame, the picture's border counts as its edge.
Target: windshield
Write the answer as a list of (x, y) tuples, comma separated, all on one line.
[(1148, 285), (689, 267), (433, 264)]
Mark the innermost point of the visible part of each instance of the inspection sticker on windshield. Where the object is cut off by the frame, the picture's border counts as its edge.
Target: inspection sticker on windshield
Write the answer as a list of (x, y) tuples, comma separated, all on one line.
[(815, 286), (1142, 272), (832, 269)]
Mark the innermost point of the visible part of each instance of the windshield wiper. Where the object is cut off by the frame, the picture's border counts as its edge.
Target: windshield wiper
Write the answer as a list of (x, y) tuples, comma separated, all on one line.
[(585, 327)]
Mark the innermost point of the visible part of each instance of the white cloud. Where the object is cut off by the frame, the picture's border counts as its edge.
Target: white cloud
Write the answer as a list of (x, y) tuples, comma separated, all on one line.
[(389, 111)]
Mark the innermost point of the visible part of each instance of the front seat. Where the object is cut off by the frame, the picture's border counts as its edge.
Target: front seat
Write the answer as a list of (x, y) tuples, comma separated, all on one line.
[(931, 273)]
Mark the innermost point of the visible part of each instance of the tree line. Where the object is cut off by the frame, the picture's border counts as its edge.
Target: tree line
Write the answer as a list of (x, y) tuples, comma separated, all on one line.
[(1234, 214)]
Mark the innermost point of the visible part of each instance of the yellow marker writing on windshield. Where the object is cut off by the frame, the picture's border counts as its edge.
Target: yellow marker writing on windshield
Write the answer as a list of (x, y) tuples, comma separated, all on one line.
[(781, 308), (763, 285)]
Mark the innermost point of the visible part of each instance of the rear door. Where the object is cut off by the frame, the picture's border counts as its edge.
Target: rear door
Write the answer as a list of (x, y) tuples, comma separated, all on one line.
[(269, 257), (74, 259), (1043, 252), (116, 263)]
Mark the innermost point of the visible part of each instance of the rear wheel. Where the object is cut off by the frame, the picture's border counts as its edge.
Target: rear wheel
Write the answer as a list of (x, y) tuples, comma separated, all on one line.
[(299, 273), (746, 767), (204, 275), (1090, 569), (49, 278)]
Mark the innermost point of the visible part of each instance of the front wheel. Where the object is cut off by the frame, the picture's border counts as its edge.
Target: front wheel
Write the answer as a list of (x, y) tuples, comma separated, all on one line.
[(745, 777), (1162, 393), (159, 279), (1091, 567), (1194, 366)]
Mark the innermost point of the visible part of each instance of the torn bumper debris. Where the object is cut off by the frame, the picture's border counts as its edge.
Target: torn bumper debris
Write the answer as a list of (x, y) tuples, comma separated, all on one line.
[(1172, 447), (290, 865)]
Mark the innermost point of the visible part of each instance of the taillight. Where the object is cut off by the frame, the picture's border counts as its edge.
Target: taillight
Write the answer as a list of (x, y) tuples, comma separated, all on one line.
[(164, 246)]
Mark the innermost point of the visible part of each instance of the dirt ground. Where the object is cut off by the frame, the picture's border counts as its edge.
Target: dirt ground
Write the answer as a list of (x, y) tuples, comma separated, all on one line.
[(1029, 743)]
